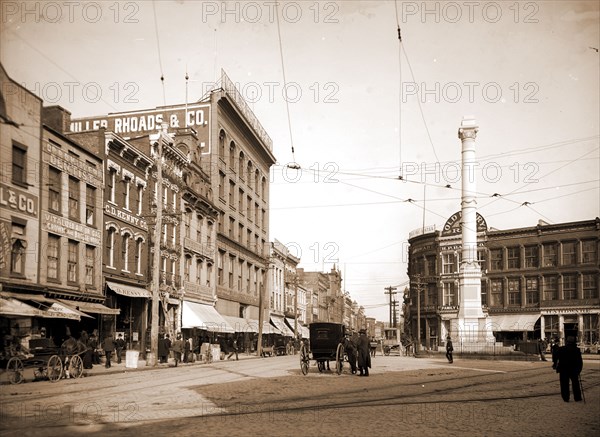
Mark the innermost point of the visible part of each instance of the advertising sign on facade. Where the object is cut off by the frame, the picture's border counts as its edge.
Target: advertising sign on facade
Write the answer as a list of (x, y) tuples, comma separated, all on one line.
[(68, 228), (18, 200), (125, 124), (453, 225)]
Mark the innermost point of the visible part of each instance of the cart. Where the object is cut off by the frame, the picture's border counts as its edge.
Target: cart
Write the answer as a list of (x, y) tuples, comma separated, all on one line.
[(326, 344), (47, 361), (391, 341)]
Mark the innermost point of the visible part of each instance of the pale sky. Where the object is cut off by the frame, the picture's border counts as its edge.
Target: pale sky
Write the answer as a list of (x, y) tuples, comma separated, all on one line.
[(528, 72)]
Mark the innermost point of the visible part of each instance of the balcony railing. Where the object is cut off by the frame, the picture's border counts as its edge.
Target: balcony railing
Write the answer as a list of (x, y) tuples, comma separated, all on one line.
[(170, 279), (206, 250)]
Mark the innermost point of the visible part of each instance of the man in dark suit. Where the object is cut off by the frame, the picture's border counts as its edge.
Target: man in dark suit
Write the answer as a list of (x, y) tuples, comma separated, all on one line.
[(569, 365), (364, 357)]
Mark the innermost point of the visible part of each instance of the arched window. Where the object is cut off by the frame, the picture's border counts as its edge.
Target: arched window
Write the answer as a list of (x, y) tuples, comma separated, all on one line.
[(138, 255), (110, 244), (256, 180), (241, 160), (222, 144), (232, 155), (126, 236), (263, 187), (249, 172)]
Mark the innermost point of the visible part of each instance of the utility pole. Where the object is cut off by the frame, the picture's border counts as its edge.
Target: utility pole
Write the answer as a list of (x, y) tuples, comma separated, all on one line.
[(391, 291), (295, 306), (157, 140), (418, 345)]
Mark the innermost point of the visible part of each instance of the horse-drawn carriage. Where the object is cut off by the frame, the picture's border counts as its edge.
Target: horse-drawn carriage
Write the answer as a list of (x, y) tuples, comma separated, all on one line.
[(47, 361), (326, 344)]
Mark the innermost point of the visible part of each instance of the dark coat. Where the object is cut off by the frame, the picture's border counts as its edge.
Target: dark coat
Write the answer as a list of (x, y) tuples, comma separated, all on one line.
[(364, 352), (108, 344), (164, 344), (568, 359)]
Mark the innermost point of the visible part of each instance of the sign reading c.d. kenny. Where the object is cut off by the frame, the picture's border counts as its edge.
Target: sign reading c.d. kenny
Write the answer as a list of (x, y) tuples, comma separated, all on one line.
[(148, 121)]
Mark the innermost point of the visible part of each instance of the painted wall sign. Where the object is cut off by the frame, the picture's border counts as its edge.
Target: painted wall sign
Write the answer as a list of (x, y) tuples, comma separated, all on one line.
[(68, 228), (453, 225), (148, 121), (18, 200)]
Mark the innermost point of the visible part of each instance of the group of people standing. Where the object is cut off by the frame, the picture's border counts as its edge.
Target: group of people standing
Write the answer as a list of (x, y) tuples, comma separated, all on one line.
[(358, 351), (182, 350)]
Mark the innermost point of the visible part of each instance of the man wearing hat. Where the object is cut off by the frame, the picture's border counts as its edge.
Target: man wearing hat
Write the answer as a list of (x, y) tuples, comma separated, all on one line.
[(364, 356), (569, 365)]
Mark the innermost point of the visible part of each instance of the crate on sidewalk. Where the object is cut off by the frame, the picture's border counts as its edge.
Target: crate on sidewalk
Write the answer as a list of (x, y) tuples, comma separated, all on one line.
[(131, 359)]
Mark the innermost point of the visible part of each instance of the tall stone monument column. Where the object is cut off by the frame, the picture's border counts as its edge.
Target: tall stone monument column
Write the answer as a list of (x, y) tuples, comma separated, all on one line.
[(471, 325)]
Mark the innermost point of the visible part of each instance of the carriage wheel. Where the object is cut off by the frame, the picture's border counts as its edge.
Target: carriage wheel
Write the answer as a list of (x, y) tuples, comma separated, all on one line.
[(304, 360), (54, 368), (75, 366), (321, 366), (339, 359), (15, 370)]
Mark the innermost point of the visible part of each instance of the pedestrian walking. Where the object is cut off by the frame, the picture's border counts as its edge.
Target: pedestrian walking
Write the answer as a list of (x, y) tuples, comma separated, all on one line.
[(177, 347), (109, 346), (373, 347), (164, 346), (542, 345), (449, 349), (187, 351), (233, 348), (119, 347), (569, 365), (364, 357), (554, 350)]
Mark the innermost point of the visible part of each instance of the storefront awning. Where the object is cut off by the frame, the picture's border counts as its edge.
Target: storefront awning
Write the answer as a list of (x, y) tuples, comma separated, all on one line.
[(513, 322), (279, 323), (197, 315), (129, 290), (62, 311), (91, 307), (13, 307), (48, 308), (241, 325)]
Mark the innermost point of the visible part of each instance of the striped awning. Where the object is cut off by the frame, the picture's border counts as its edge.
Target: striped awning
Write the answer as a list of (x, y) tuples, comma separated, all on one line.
[(279, 323), (91, 307), (513, 322)]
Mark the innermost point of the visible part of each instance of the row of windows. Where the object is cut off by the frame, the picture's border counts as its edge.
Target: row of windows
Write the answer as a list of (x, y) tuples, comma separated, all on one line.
[(245, 205), (124, 193), (242, 235), (573, 253), (131, 251), (245, 170), (55, 193), (535, 290), (241, 275), (53, 266), (202, 274), (545, 255), (195, 229)]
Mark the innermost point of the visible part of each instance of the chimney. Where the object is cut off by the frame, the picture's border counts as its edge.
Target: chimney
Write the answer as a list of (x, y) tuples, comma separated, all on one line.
[(57, 118)]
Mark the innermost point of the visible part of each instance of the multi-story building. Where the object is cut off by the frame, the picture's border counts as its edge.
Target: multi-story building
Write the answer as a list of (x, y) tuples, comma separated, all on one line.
[(70, 266), (328, 288), (125, 232), (540, 281), (20, 131), (288, 296), (240, 160)]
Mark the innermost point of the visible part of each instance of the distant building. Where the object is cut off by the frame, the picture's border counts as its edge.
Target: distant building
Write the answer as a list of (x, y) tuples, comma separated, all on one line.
[(540, 281)]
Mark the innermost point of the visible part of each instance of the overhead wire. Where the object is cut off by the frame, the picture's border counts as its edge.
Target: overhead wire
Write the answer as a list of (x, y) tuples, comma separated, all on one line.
[(287, 104), (162, 75)]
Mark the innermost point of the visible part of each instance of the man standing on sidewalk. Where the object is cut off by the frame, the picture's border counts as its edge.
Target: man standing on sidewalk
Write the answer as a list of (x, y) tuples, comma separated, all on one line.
[(177, 347), (449, 350), (569, 365), (109, 346), (119, 345)]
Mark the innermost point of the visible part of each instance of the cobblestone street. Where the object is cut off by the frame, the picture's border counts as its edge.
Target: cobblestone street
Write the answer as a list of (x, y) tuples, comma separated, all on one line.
[(403, 395)]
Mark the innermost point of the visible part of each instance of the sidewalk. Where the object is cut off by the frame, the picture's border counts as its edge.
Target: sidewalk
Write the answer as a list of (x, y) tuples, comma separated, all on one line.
[(100, 369)]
